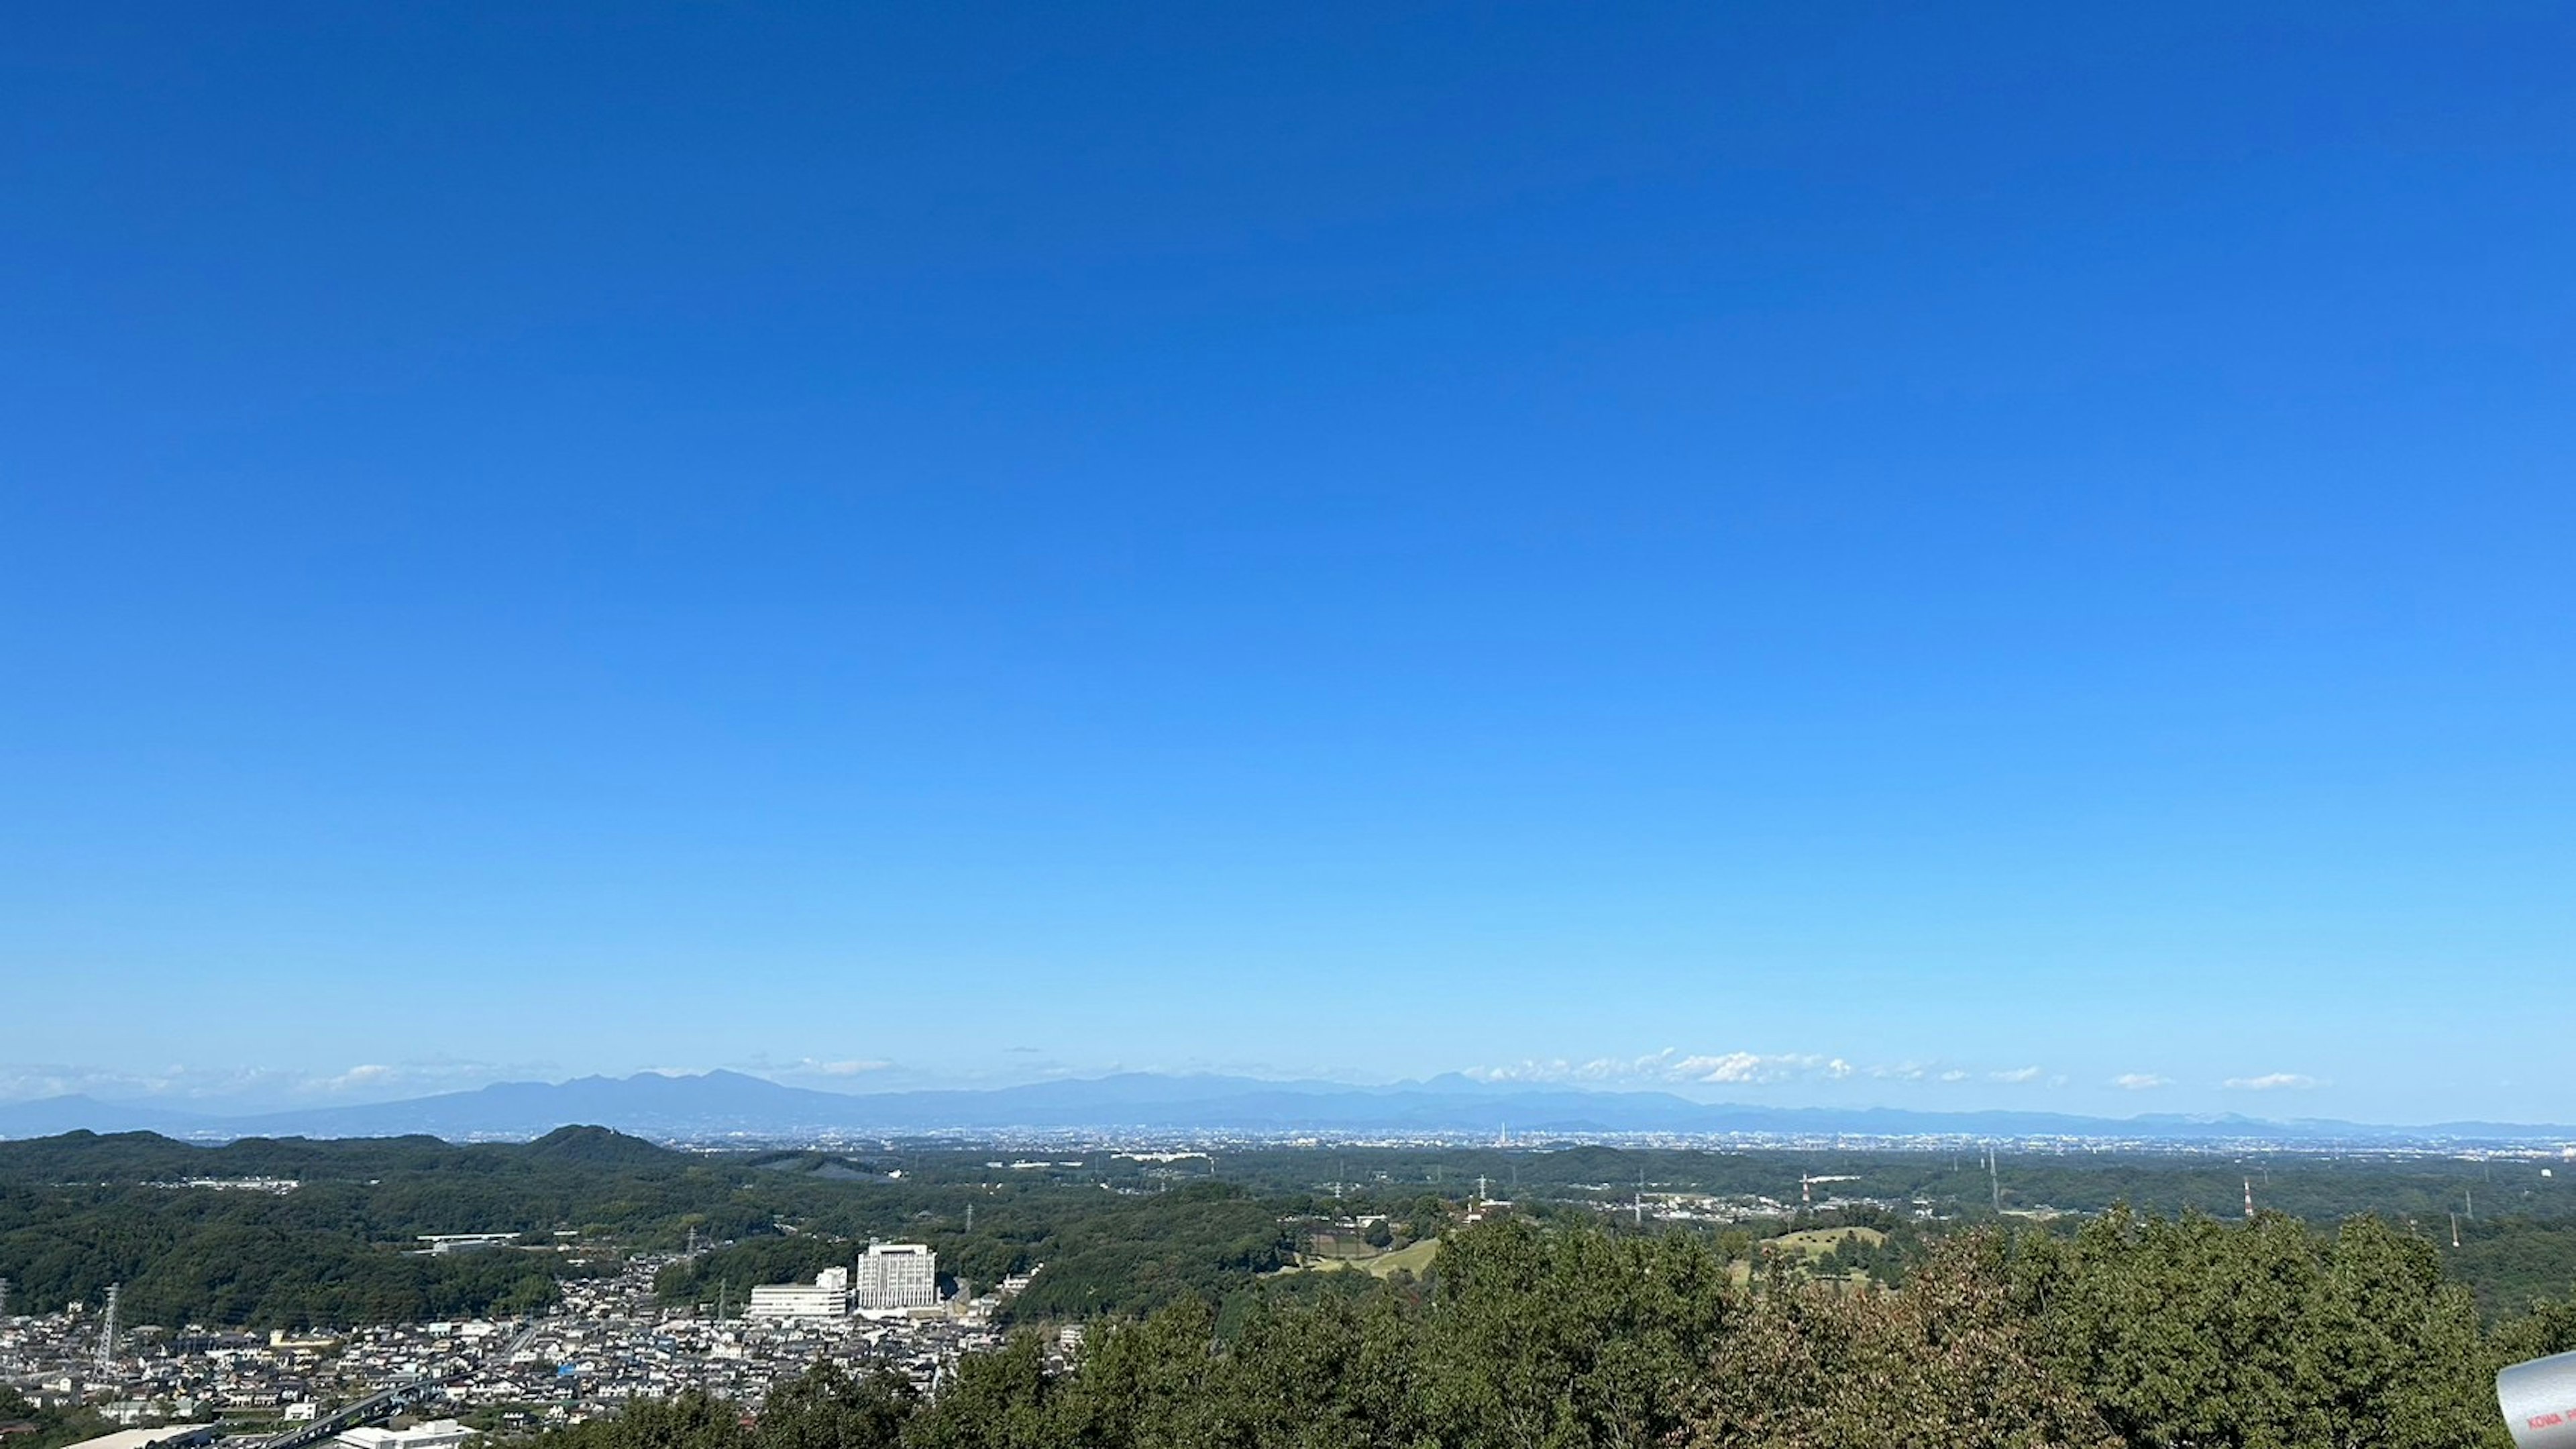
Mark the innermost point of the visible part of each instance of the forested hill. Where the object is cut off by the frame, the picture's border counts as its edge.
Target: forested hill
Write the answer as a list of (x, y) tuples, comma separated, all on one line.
[(139, 1156), (339, 1246)]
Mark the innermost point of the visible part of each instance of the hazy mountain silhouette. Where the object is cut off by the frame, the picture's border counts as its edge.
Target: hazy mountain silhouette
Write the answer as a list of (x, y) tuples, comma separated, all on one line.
[(719, 1105)]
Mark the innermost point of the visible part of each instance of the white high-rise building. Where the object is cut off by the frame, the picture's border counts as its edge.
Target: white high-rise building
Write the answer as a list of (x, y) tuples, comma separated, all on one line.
[(897, 1275)]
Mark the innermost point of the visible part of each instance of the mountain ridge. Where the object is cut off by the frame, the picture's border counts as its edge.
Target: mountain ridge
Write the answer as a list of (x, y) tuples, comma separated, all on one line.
[(728, 1105)]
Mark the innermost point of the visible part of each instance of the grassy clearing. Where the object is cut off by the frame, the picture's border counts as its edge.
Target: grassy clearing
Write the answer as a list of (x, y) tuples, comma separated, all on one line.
[(1341, 1245), (1740, 1273), (1816, 1242), (1809, 1245), (1414, 1258)]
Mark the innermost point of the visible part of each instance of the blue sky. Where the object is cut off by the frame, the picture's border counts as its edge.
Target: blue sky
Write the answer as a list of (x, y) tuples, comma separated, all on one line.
[(2016, 556)]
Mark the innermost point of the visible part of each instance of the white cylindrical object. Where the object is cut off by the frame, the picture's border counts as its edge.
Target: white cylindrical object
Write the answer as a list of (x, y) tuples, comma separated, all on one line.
[(2539, 1402)]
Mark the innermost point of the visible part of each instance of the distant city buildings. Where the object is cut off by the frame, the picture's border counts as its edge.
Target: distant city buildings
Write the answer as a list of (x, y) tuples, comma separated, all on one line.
[(274, 1186)]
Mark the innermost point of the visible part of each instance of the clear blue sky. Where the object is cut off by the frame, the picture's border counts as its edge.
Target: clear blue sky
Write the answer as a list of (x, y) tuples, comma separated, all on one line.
[(2024, 545)]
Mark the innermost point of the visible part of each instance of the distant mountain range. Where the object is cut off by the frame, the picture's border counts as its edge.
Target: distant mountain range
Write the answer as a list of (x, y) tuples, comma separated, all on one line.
[(730, 1105)]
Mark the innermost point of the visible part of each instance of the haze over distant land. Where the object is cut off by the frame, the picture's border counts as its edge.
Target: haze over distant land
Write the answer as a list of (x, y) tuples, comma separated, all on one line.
[(720, 1106), (1990, 558), (1764, 1081)]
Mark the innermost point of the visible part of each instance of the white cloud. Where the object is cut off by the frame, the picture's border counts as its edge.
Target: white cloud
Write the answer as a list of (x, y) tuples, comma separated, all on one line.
[(1675, 1067), (2139, 1081), (1671, 1067), (176, 1082), (380, 1079), (224, 1088), (2271, 1082), (850, 1068), (368, 1075), (1734, 1067), (1529, 1071)]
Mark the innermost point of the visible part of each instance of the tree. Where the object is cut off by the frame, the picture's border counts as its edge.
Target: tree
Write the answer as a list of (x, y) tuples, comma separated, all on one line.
[(692, 1420), (2191, 1333), (1946, 1364), (826, 1408), (1545, 1338), (2388, 1354), (997, 1400)]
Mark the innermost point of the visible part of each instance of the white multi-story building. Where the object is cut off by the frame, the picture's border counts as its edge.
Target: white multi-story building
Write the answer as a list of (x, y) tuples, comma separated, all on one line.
[(828, 1296), (436, 1434), (897, 1275), (443, 1245)]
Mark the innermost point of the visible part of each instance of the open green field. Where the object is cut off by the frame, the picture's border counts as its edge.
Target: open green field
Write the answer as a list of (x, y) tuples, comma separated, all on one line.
[(1816, 1242), (1810, 1245), (1338, 1245), (1414, 1258)]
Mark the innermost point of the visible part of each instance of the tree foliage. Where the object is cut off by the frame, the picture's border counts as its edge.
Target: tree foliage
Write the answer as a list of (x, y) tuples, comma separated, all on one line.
[(2138, 1331)]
